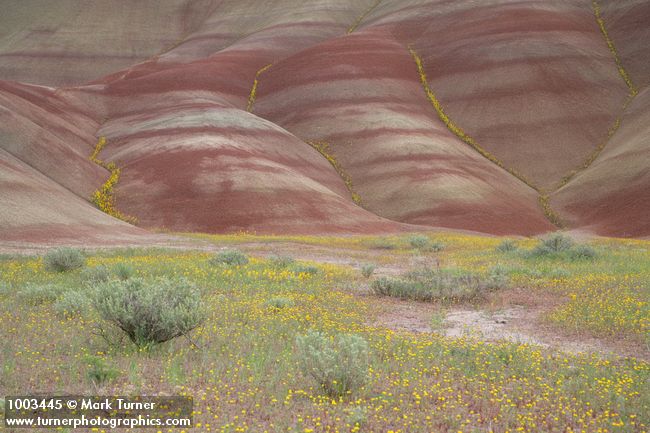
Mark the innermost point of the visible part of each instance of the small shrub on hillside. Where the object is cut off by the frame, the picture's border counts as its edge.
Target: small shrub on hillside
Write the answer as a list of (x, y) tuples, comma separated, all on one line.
[(99, 371), (36, 294), (339, 364), (96, 274), (279, 302), (63, 259), (367, 269), (507, 246), (230, 257), (72, 303), (123, 271), (281, 262), (305, 269), (150, 312)]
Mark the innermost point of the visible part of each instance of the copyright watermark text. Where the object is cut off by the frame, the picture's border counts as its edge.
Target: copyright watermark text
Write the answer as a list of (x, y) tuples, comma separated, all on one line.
[(97, 412)]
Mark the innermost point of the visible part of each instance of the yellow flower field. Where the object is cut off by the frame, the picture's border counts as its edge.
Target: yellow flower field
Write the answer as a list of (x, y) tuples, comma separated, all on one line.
[(242, 368)]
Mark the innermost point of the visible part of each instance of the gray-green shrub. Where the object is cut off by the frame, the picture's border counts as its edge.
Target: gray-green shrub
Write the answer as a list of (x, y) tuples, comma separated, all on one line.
[(367, 269), (338, 364), (63, 259), (150, 311), (497, 277), (5, 288), (553, 244), (423, 243), (447, 285), (357, 416), (582, 252), (507, 246), (305, 269), (230, 257), (72, 303), (123, 271), (436, 246), (382, 244), (419, 241), (96, 274), (36, 294), (279, 302), (558, 245), (281, 261)]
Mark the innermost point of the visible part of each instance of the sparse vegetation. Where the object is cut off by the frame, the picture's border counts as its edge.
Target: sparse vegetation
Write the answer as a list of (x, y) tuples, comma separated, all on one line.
[(281, 261), (5, 288), (445, 285), (230, 257), (425, 244), (98, 371), (39, 293), (280, 302), (63, 259), (323, 148), (583, 252), (104, 197), (457, 130), (437, 321), (253, 93), (338, 364), (150, 312), (436, 246), (72, 303), (96, 274), (123, 271), (305, 269), (558, 245), (367, 269), (247, 350), (507, 246), (382, 244), (554, 243), (418, 241)]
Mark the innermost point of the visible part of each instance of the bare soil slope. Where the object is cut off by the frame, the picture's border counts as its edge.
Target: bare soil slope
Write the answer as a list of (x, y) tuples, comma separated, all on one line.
[(328, 115)]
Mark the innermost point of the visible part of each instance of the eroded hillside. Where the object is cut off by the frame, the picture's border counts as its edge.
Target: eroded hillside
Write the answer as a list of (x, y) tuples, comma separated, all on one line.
[(325, 116)]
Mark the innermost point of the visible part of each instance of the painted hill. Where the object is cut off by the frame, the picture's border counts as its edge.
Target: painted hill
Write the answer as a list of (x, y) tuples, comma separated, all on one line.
[(324, 116)]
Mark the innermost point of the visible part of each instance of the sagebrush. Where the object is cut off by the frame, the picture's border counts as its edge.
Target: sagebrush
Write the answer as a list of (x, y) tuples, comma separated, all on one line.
[(230, 257), (339, 364), (150, 311), (63, 259), (446, 285)]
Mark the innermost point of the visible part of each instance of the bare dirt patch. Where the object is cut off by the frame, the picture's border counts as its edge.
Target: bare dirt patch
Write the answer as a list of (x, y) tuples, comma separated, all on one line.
[(517, 324)]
